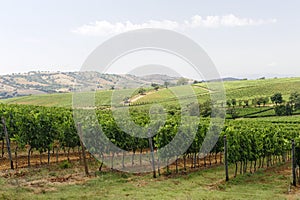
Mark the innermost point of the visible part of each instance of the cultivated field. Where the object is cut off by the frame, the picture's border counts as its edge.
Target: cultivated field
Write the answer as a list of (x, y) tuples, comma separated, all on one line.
[(259, 147)]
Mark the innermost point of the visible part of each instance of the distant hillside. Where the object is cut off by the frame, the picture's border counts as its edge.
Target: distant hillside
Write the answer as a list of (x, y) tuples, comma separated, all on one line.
[(239, 90), (32, 83), (227, 79)]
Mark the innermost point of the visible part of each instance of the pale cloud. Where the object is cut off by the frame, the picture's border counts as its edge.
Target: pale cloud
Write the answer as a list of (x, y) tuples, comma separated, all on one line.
[(104, 28), (225, 21)]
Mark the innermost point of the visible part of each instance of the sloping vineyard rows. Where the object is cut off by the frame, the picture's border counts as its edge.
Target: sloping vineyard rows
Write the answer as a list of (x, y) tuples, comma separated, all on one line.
[(45, 129), (253, 145), (38, 128)]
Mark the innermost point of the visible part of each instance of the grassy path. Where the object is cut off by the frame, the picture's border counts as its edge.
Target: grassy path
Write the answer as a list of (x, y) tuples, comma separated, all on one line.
[(272, 183)]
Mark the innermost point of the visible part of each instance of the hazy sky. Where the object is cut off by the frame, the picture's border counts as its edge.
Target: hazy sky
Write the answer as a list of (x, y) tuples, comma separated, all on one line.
[(243, 38)]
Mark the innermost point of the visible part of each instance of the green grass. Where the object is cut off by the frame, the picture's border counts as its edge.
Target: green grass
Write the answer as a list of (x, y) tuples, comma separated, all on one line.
[(257, 88), (204, 184), (249, 89), (168, 95), (58, 100)]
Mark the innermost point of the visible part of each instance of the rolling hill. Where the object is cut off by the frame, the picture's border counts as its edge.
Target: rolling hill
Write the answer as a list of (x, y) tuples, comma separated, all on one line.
[(238, 89), (33, 83)]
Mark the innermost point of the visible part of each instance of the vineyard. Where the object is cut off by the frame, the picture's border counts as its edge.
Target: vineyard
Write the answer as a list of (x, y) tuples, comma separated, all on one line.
[(40, 137), (52, 130)]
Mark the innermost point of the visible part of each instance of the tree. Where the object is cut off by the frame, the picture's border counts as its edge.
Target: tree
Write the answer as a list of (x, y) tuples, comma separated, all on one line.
[(166, 84), (282, 110), (141, 91), (254, 102), (288, 109), (294, 96), (240, 102), (295, 100), (233, 102), (182, 81), (261, 100), (265, 100), (258, 101), (246, 102), (155, 86), (277, 98), (228, 103)]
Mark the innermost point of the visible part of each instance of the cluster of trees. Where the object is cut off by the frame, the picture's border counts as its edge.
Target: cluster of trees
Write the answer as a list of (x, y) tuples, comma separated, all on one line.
[(155, 86), (281, 106), (294, 100), (141, 91), (246, 102), (286, 108), (260, 101)]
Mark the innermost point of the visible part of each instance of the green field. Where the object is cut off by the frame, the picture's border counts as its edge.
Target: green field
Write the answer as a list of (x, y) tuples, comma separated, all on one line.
[(266, 87), (240, 90), (204, 184), (61, 100)]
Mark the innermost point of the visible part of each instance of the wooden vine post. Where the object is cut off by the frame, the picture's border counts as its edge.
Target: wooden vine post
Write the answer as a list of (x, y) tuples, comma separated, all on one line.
[(226, 158), (83, 150), (7, 143), (293, 163), (152, 153)]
